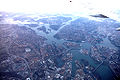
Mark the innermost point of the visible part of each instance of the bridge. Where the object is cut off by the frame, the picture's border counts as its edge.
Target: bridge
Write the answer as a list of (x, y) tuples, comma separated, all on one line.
[(98, 66)]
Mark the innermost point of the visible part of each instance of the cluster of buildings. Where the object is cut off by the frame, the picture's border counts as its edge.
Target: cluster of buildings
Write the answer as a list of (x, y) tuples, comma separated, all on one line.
[(28, 55), (71, 45), (102, 53), (84, 71)]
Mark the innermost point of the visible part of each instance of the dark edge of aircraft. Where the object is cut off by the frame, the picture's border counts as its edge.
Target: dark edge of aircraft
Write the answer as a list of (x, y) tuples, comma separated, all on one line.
[(103, 16), (99, 16), (118, 29)]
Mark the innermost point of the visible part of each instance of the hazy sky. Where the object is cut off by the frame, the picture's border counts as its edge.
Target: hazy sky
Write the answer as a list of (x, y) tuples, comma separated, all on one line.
[(60, 6)]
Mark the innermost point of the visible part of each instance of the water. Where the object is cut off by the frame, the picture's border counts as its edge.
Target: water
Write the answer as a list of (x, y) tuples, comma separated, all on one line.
[(107, 43), (104, 71)]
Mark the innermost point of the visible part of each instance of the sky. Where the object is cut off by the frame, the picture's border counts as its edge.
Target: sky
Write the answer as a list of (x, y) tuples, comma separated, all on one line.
[(58, 5), (109, 7)]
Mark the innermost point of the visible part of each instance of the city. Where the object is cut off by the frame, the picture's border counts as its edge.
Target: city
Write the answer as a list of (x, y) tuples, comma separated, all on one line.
[(58, 47)]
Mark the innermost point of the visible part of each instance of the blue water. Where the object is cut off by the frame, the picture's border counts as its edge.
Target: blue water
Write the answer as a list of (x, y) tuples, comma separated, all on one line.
[(104, 71)]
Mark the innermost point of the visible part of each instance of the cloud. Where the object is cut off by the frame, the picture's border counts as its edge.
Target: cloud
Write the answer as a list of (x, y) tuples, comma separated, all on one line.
[(59, 6)]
